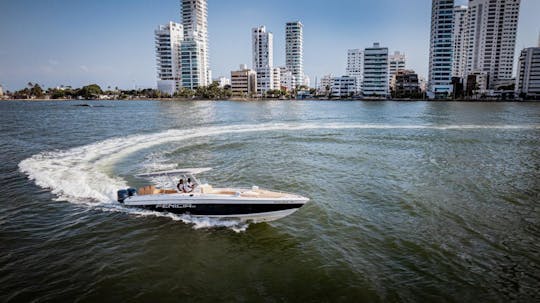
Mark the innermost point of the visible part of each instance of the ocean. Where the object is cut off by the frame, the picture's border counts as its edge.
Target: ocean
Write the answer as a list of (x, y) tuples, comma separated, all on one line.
[(410, 202)]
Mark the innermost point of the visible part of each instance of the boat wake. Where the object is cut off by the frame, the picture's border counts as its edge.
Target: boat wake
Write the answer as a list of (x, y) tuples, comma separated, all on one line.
[(84, 175)]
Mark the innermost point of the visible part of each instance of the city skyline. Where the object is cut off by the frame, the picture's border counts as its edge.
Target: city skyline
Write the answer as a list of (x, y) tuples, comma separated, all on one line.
[(76, 49)]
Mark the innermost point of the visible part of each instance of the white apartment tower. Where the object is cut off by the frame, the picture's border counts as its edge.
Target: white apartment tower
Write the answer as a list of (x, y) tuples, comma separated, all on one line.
[(396, 61), (168, 40), (441, 48), (460, 41), (375, 71), (355, 67), (263, 58), (492, 28), (195, 59), (528, 73), (294, 50)]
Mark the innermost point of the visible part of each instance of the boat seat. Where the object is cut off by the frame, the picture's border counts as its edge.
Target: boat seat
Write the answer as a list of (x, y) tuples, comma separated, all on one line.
[(206, 189), (225, 192), (147, 190), (168, 191), (152, 190)]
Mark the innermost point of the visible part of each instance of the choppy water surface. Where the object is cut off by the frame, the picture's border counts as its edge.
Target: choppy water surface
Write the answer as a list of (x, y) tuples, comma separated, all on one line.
[(409, 202)]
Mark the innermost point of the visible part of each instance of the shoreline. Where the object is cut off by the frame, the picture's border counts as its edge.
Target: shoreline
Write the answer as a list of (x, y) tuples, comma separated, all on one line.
[(267, 99)]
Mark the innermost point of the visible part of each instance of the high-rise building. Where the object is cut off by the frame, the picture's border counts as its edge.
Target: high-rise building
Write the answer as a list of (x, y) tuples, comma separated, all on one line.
[(460, 40), (263, 58), (294, 50), (528, 73), (441, 49), (355, 67), (244, 82), (375, 82), (396, 62), (492, 28), (168, 40), (195, 58)]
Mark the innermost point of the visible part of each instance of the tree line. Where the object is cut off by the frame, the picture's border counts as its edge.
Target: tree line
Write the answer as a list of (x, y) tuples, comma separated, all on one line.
[(94, 91), (35, 91)]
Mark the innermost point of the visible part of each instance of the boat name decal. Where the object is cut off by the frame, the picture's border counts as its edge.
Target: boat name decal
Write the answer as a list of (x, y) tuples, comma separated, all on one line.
[(176, 206)]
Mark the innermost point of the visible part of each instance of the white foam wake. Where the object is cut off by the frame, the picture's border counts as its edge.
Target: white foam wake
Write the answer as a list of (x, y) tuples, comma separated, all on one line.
[(84, 174)]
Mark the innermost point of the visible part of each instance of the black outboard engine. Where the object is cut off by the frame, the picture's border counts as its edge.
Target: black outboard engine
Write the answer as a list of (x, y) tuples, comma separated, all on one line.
[(132, 192), (122, 195)]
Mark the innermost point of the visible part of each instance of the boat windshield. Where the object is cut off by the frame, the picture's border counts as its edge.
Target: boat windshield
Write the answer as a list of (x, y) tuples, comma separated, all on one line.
[(169, 179)]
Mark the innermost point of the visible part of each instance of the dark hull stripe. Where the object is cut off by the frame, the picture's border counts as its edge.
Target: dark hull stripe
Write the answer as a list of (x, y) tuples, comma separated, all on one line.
[(221, 209)]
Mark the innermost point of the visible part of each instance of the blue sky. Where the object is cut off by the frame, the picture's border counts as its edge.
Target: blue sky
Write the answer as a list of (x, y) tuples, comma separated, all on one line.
[(75, 42)]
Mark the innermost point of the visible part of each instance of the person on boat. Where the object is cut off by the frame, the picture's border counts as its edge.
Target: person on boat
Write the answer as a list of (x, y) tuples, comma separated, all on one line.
[(190, 186), (181, 186)]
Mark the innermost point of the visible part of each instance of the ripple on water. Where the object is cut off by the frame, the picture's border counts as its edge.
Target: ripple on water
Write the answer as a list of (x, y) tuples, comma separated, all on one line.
[(416, 212)]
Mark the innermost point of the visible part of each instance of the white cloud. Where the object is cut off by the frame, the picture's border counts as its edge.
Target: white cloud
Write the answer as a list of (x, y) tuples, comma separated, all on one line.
[(84, 68)]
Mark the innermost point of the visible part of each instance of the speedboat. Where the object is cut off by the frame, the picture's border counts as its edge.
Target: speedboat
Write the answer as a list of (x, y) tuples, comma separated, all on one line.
[(252, 204)]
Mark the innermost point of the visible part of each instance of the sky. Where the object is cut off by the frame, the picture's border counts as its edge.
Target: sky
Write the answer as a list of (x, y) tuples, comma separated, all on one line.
[(111, 42)]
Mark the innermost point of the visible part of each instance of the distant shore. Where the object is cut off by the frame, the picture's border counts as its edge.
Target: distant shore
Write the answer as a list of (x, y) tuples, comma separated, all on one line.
[(262, 99)]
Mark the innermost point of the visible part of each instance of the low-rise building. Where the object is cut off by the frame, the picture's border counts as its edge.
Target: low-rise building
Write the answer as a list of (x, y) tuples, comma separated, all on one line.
[(405, 84), (528, 73), (244, 82), (423, 84), (287, 79), (343, 87), (325, 84), (476, 84), (276, 81), (223, 81), (395, 63)]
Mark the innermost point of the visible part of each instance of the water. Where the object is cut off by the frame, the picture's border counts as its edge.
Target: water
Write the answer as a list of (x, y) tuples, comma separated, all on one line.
[(409, 202)]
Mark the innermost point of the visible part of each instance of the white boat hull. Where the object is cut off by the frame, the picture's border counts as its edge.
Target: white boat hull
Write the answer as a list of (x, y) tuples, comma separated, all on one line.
[(217, 206), (257, 217)]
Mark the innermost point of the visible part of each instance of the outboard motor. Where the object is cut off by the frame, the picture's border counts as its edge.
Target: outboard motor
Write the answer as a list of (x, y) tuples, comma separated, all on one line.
[(122, 195), (132, 192)]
